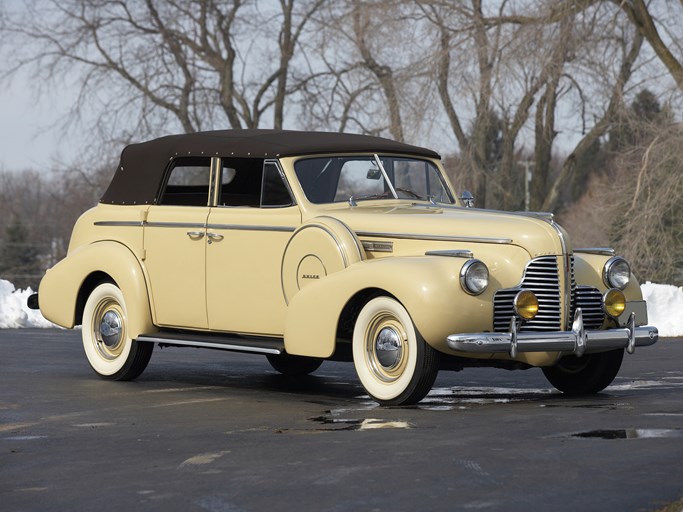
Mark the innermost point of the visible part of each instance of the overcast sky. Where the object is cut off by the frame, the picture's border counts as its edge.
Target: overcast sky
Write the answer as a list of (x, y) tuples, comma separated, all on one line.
[(29, 129)]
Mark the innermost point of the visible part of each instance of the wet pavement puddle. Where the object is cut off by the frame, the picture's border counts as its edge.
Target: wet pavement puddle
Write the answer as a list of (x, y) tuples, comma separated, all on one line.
[(330, 423), (630, 433)]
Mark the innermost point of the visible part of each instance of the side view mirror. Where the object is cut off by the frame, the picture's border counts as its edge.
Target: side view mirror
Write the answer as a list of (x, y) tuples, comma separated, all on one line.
[(467, 199)]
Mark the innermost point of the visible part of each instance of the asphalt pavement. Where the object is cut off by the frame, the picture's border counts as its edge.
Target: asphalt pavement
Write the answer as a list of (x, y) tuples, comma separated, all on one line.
[(205, 430)]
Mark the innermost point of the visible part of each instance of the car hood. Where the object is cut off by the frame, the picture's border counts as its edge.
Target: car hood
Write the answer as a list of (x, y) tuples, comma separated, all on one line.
[(536, 233)]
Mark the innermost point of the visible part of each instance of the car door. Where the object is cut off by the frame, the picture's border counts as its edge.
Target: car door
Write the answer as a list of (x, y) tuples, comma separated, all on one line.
[(247, 235), (175, 245)]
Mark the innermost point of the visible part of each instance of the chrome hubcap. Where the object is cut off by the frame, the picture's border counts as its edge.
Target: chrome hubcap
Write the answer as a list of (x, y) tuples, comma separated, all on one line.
[(111, 328), (388, 348)]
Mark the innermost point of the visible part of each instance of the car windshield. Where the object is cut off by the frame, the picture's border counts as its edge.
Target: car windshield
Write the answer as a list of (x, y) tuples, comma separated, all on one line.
[(358, 178)]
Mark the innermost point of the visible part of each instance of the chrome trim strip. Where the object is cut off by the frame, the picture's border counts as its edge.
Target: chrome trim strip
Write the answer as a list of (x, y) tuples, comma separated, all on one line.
[(120, 223), (175, 225), (600, 251), (239, 227), (242, 227), (216, 176), (351, 232), (203, 344), (456, 253), (566, 273), (371, 246), (436, 238), (546, 216), (565, 260)]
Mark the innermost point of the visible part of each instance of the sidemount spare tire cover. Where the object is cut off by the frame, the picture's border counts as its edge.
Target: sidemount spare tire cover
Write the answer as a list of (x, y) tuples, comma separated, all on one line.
[(320, 247)]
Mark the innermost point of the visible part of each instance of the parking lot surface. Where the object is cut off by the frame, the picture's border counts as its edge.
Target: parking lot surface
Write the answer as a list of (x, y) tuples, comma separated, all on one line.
[(217, 431)]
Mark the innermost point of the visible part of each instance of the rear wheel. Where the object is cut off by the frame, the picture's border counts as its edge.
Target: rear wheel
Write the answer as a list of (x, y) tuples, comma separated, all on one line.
[(108, 346), (294, 366), (394, 363), (585, 375)]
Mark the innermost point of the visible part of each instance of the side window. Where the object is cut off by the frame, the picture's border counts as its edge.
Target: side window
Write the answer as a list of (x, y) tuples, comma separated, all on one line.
[(188, 183), (274, 192), (241, 182)]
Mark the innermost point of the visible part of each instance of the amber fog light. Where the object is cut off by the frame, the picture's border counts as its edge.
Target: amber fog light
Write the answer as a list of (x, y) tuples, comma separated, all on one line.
[(614, 302), (526, 305)]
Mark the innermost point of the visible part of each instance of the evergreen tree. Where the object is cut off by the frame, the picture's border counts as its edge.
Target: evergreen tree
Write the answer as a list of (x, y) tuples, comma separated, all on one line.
[(635, 122), (18, 257)]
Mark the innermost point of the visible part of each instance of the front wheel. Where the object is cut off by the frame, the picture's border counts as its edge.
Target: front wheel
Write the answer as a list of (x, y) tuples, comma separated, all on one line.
[(394, 363), (108, 346), (585, 375)]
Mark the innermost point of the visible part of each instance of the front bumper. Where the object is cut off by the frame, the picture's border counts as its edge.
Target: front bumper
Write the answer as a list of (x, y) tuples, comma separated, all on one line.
[(578, 341)]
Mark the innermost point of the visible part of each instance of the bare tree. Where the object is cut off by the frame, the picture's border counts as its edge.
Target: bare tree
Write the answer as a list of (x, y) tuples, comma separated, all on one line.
[(503, 73), (369, 69), (640, 15), (189, 63), (383, 73), (636, 204)]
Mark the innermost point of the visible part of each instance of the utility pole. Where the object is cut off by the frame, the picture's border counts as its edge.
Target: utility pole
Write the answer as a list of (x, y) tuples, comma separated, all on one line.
[(528, 174)]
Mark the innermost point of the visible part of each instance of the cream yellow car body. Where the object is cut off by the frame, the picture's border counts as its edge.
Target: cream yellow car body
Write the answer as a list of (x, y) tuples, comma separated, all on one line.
[(300, 273)]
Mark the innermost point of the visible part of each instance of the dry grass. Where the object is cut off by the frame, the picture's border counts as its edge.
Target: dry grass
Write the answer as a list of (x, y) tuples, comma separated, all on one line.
[(676, 506)]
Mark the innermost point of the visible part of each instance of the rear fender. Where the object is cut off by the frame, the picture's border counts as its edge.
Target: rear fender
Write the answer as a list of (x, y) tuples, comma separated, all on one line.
[(66, 286)]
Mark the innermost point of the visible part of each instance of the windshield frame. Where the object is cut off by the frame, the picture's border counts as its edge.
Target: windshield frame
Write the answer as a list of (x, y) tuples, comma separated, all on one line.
[(390, 193)]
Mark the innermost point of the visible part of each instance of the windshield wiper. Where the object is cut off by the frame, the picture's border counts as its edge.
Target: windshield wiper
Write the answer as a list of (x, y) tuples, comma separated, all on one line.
[(410, 192), (354, 198)]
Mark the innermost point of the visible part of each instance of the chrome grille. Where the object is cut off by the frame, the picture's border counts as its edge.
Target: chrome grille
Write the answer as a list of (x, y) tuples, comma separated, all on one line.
[(589, 299), (541, 276)]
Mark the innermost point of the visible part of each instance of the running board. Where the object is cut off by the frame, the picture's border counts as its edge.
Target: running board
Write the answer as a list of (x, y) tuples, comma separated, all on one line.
[(234, 343)]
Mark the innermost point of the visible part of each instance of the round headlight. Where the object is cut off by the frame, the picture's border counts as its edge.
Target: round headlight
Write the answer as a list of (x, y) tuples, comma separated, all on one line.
[(474, 277), (617, 273), (526, 304), (614, 302)]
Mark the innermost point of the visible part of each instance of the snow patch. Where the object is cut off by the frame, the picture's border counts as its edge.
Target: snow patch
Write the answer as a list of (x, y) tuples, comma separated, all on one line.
[(664, 306), (14, 312)]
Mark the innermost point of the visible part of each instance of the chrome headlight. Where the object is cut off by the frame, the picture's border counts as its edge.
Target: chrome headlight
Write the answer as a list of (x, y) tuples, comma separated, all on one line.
[(474, 277), (617, 273)]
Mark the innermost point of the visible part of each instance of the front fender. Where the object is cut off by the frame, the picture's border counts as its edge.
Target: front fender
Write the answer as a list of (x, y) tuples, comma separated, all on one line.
[(427, 286), (59, 289), (588, 269)]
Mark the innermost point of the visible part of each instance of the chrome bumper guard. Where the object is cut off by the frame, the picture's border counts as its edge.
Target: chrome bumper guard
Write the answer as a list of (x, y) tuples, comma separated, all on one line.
[(578, 341)]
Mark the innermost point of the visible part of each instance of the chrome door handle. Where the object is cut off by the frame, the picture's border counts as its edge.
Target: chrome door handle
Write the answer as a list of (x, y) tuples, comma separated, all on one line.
[(195, 235), (214, 237)]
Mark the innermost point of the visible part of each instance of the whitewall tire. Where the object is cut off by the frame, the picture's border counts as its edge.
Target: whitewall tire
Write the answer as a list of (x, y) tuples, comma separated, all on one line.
[(393, 362), (108, 346)]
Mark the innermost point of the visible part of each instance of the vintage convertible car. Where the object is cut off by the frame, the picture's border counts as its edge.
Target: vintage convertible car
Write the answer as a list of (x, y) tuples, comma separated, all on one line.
[(311, 246)]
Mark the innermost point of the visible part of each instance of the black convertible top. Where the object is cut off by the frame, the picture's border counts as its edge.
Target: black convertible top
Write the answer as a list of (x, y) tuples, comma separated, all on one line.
[(138, 177)]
